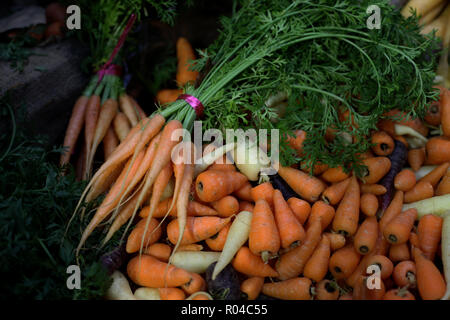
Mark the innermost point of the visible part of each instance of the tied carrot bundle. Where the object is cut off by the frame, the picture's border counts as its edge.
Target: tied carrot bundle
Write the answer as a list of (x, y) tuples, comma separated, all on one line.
[(347, 214)]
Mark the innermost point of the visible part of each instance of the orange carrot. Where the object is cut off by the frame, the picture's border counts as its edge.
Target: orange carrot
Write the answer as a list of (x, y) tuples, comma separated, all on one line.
[(165, 96), (296, 141), (326, 290), (369, 204), (347, 214), (148, 271), (376, 189), (292, 263), (185, 53), (445, 112), (171, 294), (366, 236), (429, 231), (251, 287), (324, 212), (394, 209), (386, 266), (217, 241), (343, 262), (317, 266), (398, 294), (361, 290), (197, 229), (404, 274), (405, 180), (300, 208), (251, 265), (246, 206), (212, 185), (444, 186), (388, 125), (377, 167), (416, 158), (291, 289), (414, 239), (308, 187), (110, 142), (151, 236), (398, 229), (161, 251), (127, 107), (430, 282), (263, 191), (383, 143), (289, 228), (190, 247), (245, 192), (196, 284), (121, 125), (422, 190), (194, 209), (226, 207), (399, 252), (334, 193), (222, 166), (337, 240), (264, 238), (334, 175), (436, 174), (438, 150)]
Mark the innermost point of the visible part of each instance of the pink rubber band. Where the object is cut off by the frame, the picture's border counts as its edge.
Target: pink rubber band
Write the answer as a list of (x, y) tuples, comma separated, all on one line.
[(194, 102)]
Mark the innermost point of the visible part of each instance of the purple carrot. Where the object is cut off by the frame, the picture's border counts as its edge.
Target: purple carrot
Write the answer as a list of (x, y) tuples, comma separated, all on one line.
[(398, 160), (115, 259)]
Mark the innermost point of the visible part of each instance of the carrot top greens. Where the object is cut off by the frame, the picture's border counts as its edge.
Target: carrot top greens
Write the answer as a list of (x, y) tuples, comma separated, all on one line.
[(323, 56)]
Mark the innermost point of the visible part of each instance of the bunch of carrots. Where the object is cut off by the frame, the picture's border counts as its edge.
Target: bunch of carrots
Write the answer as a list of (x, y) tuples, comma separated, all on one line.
[(383, 236)]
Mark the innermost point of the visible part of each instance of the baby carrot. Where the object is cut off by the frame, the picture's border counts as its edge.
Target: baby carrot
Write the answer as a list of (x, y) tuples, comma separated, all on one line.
[(436, 174), (399, 252), (394, 209), (334, 175), (376, 189), (422, 190), (416, 158), (226, 207), (326, 290), (251, 264), (445, 112), (264, 238), (323, 212), (386, 266), (337, 240), (366, 236), (291, 289), (369, 204), (430, 282), (196, 284), (217, 241), (317, 266), (300, 208), (263, 191), (429, 231), (343, 262), (308, 187), (404, 274), (246, 206), (161, 251), (383, 143), (289, 228), (444, 186), (398, 229), (245, 192), (438, 150), (251, 287), (151, 236), (377, 167), (347, 214), (212, 185), (334, 193)]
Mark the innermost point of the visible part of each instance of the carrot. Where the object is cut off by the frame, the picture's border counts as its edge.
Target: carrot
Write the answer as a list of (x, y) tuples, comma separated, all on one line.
[(245, 192), (263, 191), (334, 175), (79, 165), (161, 251), (194, 209), (405, 180), (430, 282), (445, 112), (291, 289), (346, 218), (292, 263), (416, 158), (366, 236), (398, 294), (308, 187), (343, 262), (110, 142), (196, 284), (139, 111), (197, 229), (422, 190), (190, 247), (185, 53), (127, 108), (326, 290), (251, 265), (377, 168), (369, 204), (148, 271), (388, 125), (444, 186), (334, 193), (398, 229), (289, 228), (324, 212), (317, 169), (404, 274), (383, 143), (394, 209), (436, 174), (213, 185), (171, 294), (222, 166), (226, 207), (429, 231), (217, 241), (433, 115), (300, 208), (361, 290), (414, 239), (399, 252), (376, 189), (386, 266), (317, 266), (251, 287), (166, 96), (121, 125), (438, 150), (346, 296), (151, 236), (337, 240), (76, 122), (200, 295), (264, 238), (296, 141), (246, 206)]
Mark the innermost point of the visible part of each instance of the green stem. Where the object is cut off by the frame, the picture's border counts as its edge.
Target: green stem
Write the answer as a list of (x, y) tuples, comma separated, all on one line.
[(99, 88), (108, 86), (91, 86)]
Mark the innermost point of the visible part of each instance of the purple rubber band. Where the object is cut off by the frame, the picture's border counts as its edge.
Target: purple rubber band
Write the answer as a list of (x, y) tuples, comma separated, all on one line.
[(194, 102)]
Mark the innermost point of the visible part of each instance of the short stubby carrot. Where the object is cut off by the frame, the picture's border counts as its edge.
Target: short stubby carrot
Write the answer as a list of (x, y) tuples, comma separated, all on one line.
[(436, 174), (161, 251), (196, 284), (369, 204), (404, 274), (337, 240), (443, 186), (399, 252), (300, 208), (344, 261), (212, 185), (416, 158), (397, 231), (326, 290), (438, 150), (334, 193), (251, 265), (317, 266), (251, 287), (334, 175), (308, 187), (245, 192), (429, 231), (151, 236), (430, 282), (383, 143), (291, 289), (384, 264), (263, 191), (366, 236), (226, 207), (171, 294), (347, 214), (246, 206), (405, 180), (376, 189), (323, 211), (422, 190), (217, 241), (377, 167), (394, 208)]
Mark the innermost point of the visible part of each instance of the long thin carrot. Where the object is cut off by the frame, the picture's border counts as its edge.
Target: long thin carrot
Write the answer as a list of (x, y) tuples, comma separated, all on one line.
[(289, 228), (317, 266), (292, 263), (251, 264), (429, 231), (126, 106), (308, 187), (430, 282), (347, 214), (121, 125), (76, 122)]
